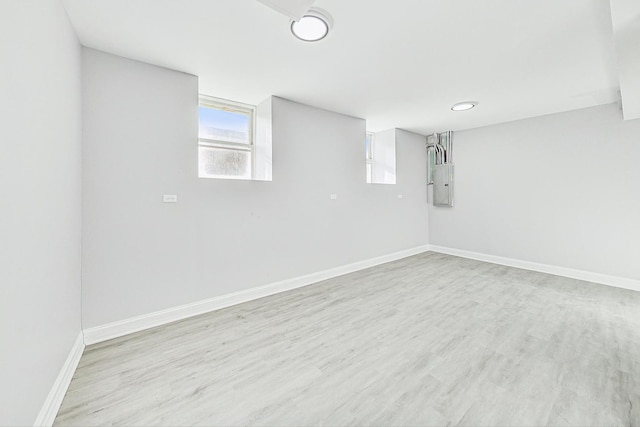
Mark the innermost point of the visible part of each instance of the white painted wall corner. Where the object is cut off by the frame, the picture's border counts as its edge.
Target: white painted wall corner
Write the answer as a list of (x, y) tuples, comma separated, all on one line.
[(54, 399)]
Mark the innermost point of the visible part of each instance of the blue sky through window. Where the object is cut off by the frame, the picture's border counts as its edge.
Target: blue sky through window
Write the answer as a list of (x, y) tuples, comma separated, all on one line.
[(223, 125)]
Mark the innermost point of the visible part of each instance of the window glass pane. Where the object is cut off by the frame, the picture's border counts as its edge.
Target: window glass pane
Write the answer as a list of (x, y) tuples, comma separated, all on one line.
[(367, 145), (384, 158), (224, 125), (224, 163)]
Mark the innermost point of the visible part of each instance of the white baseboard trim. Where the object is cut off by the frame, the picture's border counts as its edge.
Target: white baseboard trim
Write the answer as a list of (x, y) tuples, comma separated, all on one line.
[(127, 326), (588, 276), (54, 399)]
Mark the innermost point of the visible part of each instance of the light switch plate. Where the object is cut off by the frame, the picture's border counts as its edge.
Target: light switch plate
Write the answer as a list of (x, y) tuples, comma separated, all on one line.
[(333, 196), (170, 198)]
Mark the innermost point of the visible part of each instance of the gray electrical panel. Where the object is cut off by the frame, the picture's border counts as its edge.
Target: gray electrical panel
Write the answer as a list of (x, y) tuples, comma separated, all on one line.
[(443, 185)]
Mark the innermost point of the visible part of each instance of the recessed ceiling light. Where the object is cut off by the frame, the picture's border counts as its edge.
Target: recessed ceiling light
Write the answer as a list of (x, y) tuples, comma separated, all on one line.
[(462, 106), (313, 26)]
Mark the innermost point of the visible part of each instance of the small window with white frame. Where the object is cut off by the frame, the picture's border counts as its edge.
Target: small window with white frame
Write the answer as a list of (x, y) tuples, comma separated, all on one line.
[(368, 146), (226, 133), (380, 148)]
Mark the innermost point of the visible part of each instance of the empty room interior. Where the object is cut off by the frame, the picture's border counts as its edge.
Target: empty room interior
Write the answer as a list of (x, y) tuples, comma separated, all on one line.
[(320, 212)]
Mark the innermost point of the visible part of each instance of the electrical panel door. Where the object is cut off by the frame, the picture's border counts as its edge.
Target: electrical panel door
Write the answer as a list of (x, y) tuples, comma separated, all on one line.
[(443, 185)]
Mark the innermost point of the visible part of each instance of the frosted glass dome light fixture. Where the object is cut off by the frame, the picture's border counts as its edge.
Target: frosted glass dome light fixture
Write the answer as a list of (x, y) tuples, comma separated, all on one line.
[(463, 106), (313, 26)]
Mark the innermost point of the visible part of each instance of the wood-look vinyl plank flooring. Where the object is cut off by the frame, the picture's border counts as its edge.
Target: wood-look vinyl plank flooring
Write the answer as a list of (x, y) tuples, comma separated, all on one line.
[(428, 340)]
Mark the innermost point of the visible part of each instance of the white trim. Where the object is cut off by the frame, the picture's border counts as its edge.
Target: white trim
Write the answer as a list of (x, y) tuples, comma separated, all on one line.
[(127, 326), (222, 103), (236, 107), (588, 276), (53, 401)]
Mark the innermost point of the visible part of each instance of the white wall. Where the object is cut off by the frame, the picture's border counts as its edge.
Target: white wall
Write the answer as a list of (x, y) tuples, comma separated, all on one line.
[(39, 203), (561, 189), (626, 33), (140, 142)]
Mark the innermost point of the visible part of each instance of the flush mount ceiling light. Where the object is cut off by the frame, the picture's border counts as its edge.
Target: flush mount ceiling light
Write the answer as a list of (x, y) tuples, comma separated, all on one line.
[(313, 26), (462, 106)]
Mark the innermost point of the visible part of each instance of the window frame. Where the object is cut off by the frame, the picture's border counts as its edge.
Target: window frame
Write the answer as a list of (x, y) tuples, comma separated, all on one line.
[(234, 107), (369, 156)]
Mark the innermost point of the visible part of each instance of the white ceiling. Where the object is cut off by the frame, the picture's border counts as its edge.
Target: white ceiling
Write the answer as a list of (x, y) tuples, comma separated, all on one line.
[(396, 63)]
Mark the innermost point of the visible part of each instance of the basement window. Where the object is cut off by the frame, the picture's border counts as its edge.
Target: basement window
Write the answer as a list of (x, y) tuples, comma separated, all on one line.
[(368, 147), (226, 146), (380, 148)]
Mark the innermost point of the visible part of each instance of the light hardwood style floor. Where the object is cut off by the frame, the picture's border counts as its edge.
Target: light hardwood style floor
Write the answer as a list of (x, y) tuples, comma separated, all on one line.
[(427, 340)]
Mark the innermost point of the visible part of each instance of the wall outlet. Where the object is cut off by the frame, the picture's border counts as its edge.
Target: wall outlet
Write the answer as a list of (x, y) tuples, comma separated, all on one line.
[(170, 198), (400, 196)]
